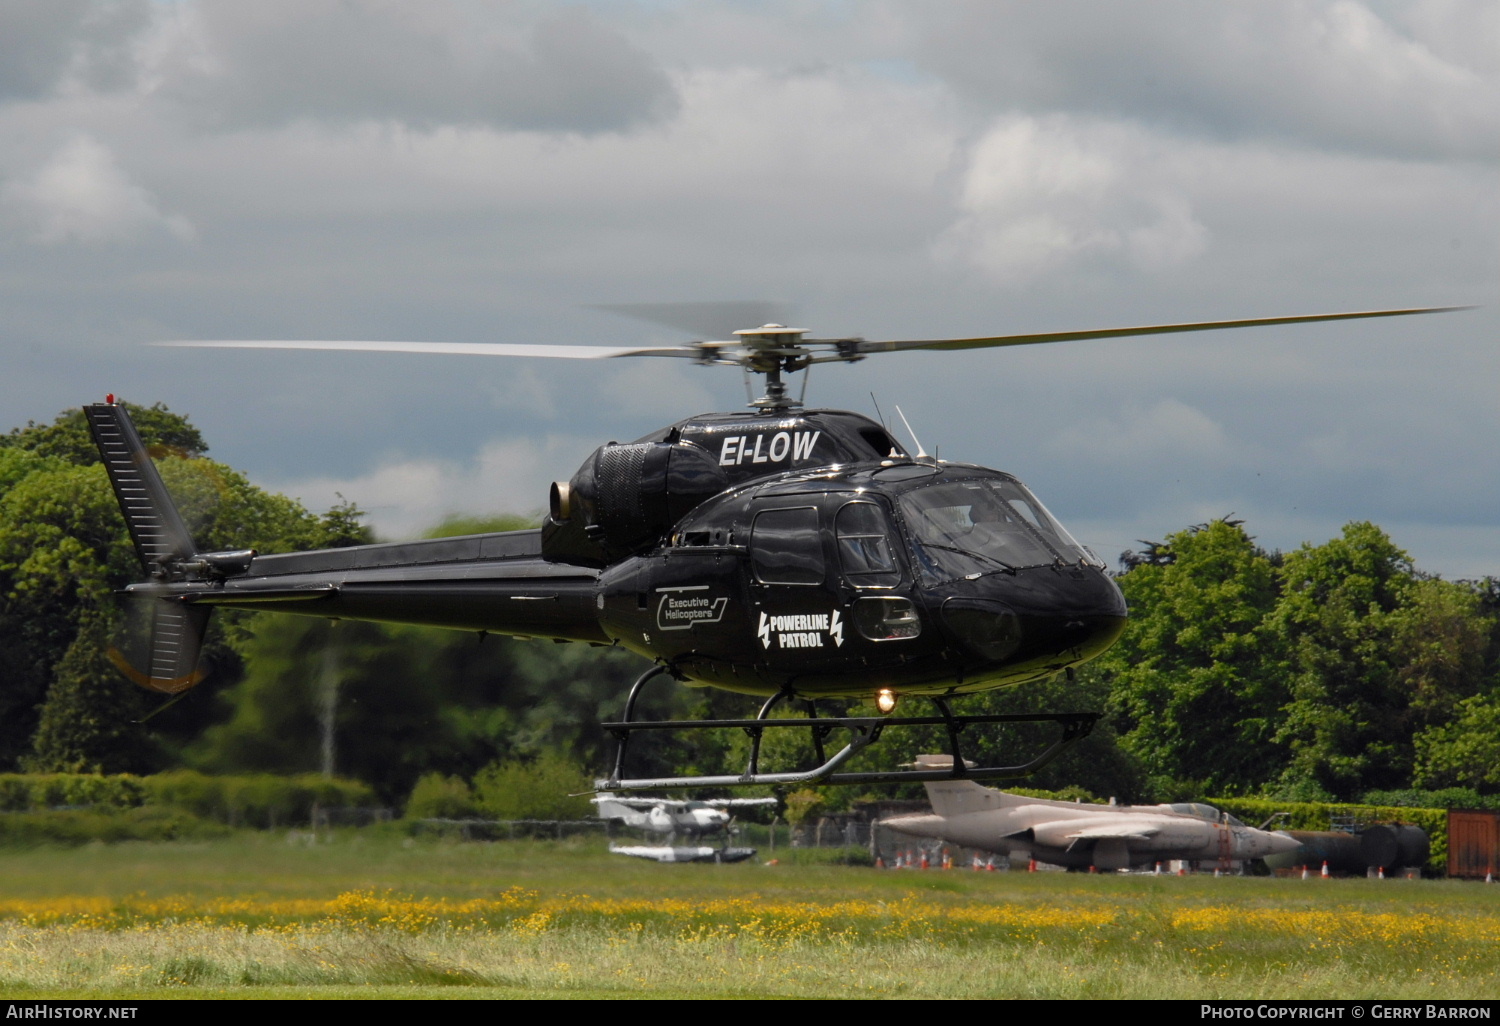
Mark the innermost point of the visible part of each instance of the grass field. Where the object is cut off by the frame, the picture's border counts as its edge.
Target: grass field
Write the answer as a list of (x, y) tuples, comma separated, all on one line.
[(371, 915)]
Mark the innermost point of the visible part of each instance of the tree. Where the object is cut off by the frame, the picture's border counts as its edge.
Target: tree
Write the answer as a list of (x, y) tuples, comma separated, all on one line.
[(1196, 679), (61, 556), (64, 551), (89, 724), (67, 437), (1341, 607), (1441, 640), (550, 786), (1464, 752)]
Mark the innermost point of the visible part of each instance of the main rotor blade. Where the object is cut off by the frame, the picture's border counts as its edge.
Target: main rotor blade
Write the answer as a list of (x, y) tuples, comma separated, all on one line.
[(453, 348), (1154, 329), (712, 319)]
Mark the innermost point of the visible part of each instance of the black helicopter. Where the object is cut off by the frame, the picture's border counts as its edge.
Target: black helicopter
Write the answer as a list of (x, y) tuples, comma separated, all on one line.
[(780, 552)]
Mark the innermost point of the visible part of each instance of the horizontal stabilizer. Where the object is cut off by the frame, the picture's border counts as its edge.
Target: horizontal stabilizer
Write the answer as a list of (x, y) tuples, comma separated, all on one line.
[(248, 596)]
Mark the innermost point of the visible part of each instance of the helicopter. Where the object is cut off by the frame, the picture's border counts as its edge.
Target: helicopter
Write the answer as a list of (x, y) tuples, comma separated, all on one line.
[(790, 554)]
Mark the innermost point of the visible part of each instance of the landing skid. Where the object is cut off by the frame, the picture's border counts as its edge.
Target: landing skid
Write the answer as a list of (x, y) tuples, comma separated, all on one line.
[(864, 731)]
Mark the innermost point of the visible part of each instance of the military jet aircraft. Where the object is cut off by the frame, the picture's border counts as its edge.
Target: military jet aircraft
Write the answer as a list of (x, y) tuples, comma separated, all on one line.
[(1080, 836), (671, 817)]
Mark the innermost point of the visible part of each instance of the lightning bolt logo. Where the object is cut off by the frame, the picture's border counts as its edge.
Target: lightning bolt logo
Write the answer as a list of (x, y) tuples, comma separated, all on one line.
[(836, 629), (765, 630)]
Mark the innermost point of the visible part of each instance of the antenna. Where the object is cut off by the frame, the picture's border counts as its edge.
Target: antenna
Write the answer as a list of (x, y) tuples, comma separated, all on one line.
[(921, 453), (880, 413)]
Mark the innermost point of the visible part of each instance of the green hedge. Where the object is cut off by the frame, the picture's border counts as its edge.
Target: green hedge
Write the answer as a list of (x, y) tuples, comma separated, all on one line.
[(74, 827), (1319, 816), (34, 792), (259, 800)]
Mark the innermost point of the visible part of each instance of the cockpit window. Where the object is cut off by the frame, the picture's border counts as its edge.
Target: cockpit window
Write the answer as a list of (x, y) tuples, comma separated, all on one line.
[(865, 546), (983, 525)]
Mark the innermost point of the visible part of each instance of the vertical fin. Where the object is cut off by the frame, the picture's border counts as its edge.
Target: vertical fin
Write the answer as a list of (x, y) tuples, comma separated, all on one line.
[(177, 631), (156, 528), (956, 797), (161, 539)]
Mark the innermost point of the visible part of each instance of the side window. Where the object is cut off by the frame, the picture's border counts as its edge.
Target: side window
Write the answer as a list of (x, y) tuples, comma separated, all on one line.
[(865, 549), (786, 547)]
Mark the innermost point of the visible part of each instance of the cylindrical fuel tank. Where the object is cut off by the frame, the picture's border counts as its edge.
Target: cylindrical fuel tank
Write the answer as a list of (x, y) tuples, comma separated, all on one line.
[(1338, 849), (1394, 846), (1416, 847), (1378, 847)]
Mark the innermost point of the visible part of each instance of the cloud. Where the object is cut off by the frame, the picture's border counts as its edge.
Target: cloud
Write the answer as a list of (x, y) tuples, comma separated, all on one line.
[(1042, 194), (46, 43), (81, 194), (889, 168), (275, 62), (1329, 73), (405, 497), (1165, 431)]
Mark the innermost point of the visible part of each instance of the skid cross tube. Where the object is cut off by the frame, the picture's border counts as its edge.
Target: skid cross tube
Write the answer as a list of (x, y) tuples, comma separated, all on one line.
[(864, 731)]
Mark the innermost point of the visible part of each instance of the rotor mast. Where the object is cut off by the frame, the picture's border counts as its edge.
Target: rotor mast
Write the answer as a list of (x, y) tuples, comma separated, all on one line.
[(771, 349)]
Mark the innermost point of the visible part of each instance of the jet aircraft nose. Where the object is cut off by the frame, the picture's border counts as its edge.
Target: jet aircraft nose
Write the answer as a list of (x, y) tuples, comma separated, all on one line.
[(918, 824), (1279, 842)]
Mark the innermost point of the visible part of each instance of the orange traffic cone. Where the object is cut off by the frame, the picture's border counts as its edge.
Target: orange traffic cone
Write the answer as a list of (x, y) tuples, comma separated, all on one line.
[(1031, 866), (879, 862), (924, 862), (1324, 874), (989, 867)]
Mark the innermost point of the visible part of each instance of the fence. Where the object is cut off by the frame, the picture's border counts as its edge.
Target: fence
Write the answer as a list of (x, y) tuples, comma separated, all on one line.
[(511, 829)]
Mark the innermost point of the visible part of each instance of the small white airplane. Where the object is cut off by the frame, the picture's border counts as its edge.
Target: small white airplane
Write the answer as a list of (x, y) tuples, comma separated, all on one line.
[(697, 853), (672, 817)]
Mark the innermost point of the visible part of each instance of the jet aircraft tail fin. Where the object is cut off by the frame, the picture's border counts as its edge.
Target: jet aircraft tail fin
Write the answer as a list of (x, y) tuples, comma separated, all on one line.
[(164, 546), (957, 797)]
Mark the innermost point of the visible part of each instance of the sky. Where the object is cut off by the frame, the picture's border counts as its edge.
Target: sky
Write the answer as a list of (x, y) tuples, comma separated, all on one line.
[(491, 171)]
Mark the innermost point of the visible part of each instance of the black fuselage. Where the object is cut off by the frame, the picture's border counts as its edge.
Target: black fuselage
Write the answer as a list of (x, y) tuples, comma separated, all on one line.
[(913, 575)]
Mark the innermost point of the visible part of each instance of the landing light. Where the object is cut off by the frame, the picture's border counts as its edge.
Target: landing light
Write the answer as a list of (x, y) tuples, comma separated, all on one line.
[(885, 700)]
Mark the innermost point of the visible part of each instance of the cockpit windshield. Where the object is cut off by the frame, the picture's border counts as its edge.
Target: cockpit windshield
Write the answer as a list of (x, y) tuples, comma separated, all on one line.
[(1202, 811), (983, 525)]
